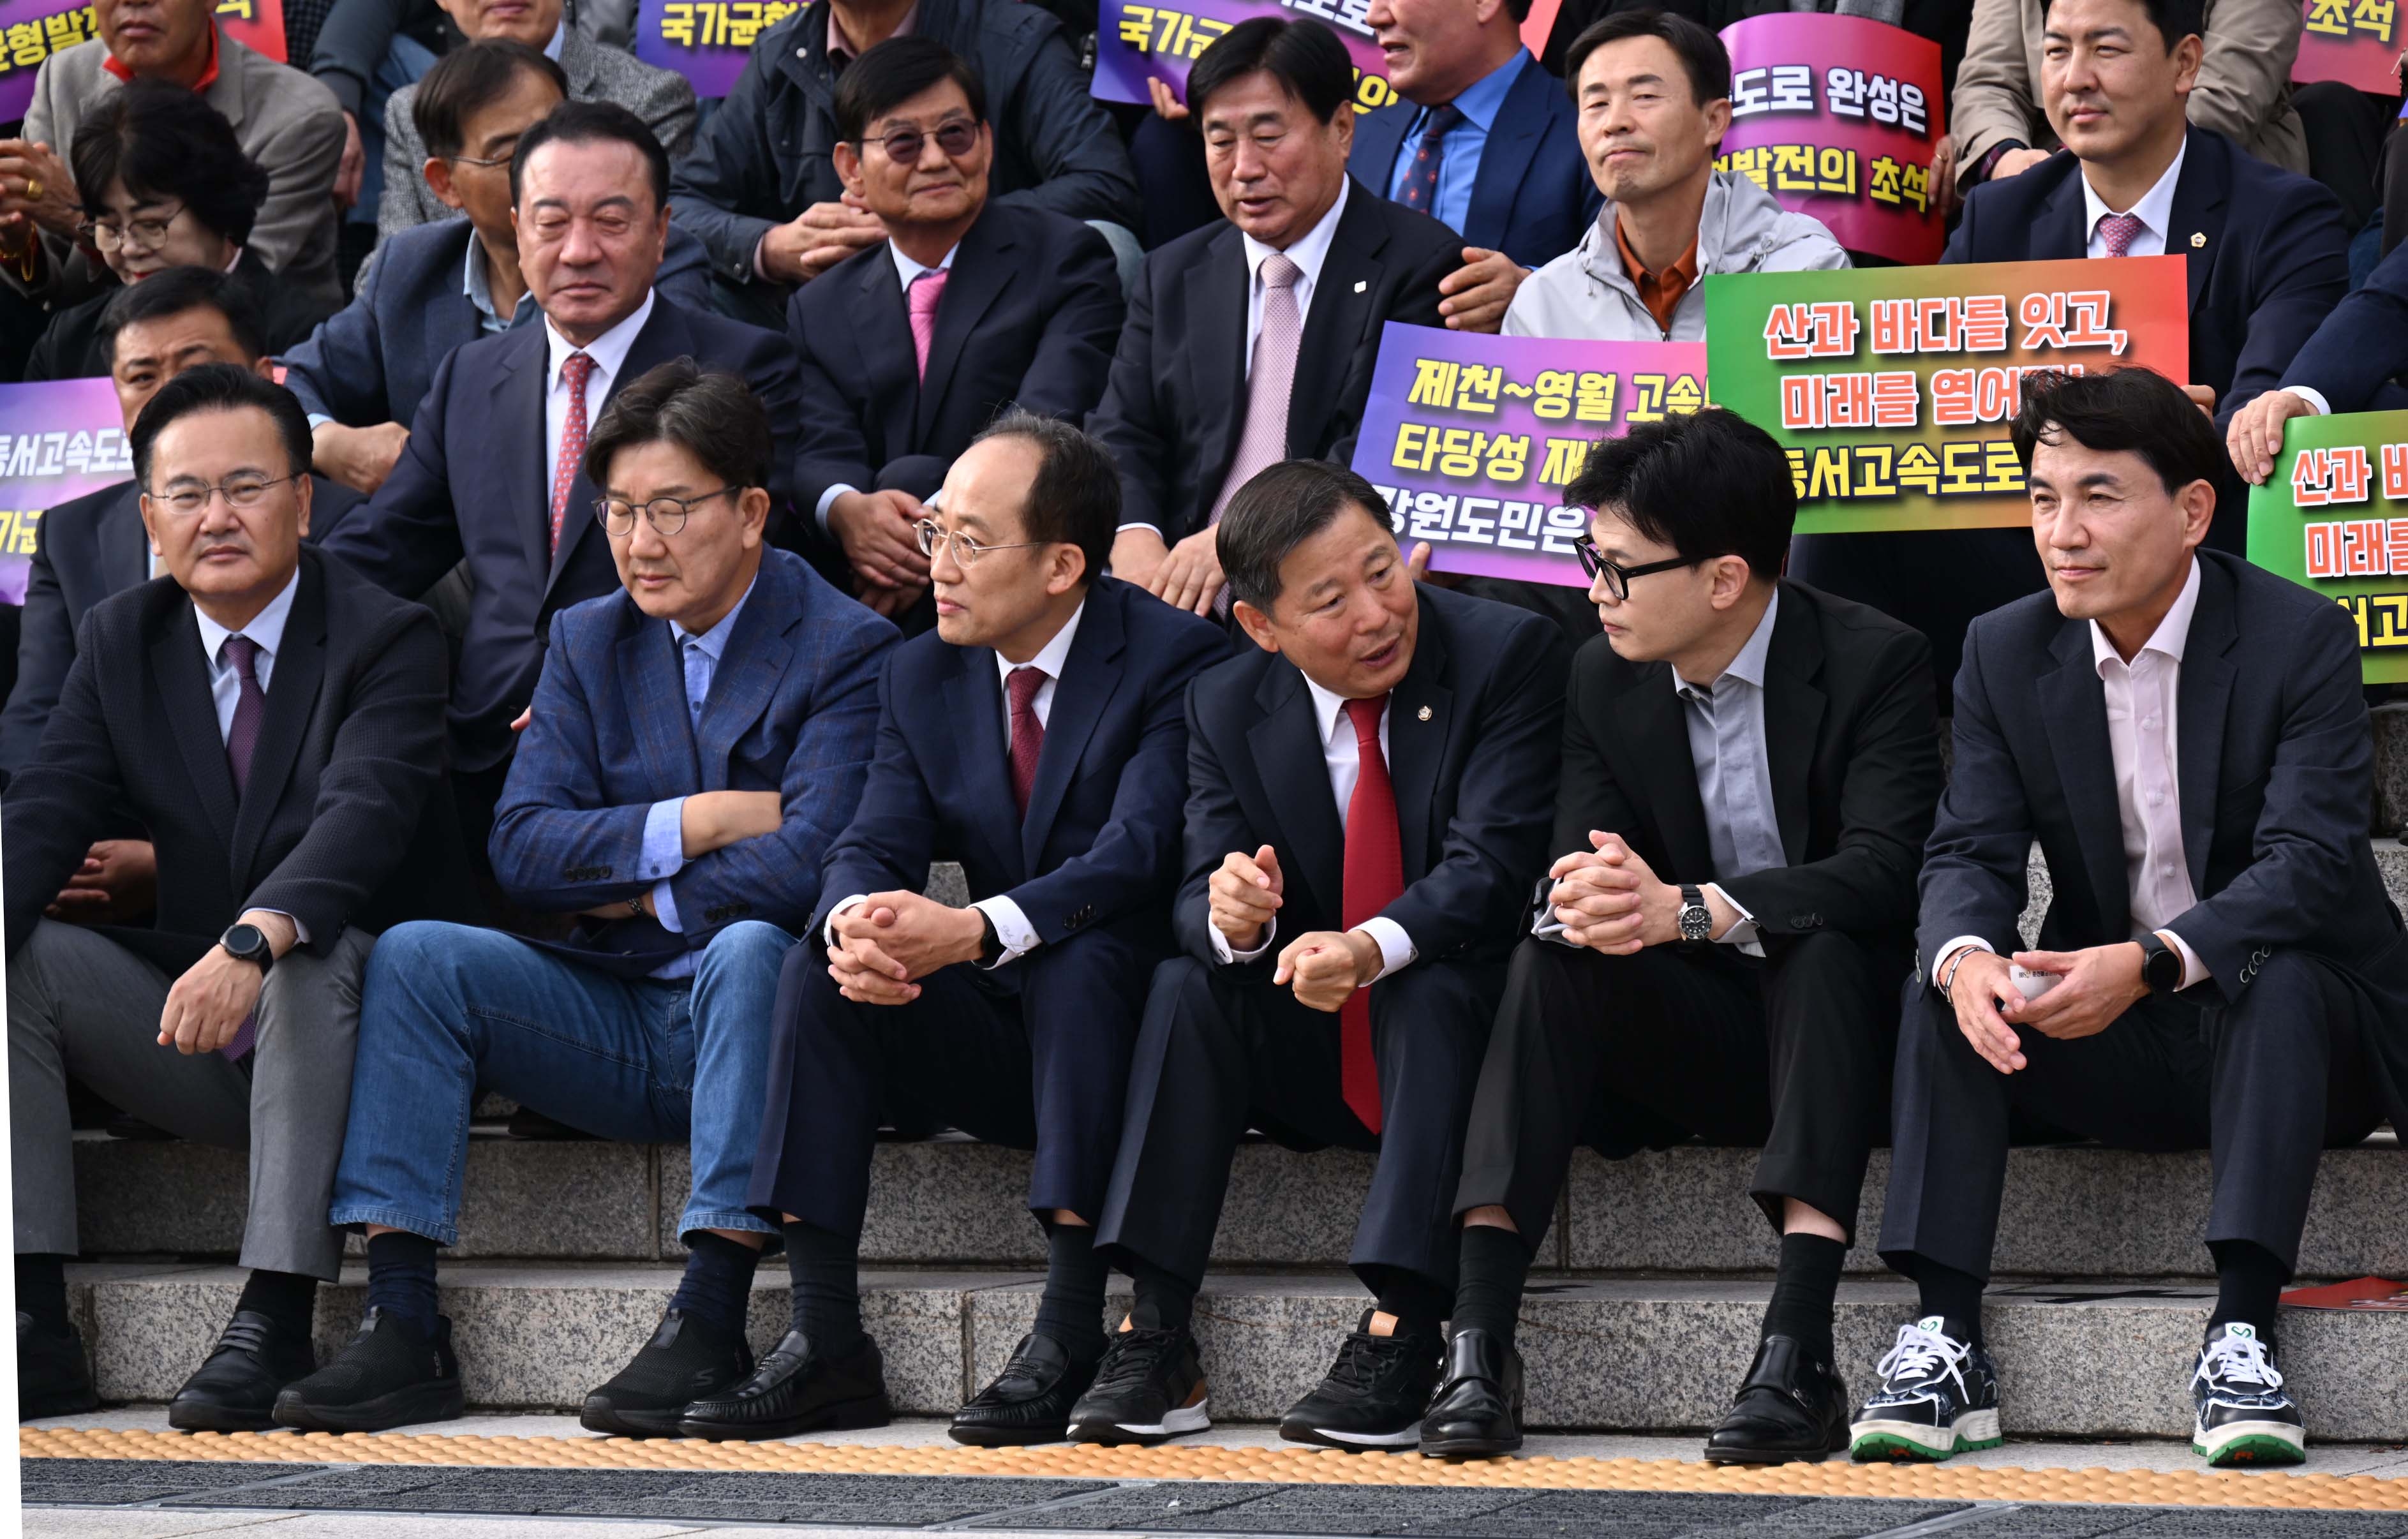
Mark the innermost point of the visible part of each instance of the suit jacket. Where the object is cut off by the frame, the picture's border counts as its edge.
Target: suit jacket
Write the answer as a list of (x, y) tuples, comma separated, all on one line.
[(792, 708), (661, 97), (2355, 358), (2273, 266), (70, 348), (1852, 744), (342, 821), (1175, 404), (371, 361), (1474, 782), (1100, 843), (84, 550), (1029, 315), (470, 486), (1534, 197)]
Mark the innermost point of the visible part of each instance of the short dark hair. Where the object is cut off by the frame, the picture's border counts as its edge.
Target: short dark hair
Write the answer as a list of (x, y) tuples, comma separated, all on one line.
[(164, 142), (710, 414), (1076, 497), (1707, 484), (220, 387), (2138, 410), (892, 73), (1701, 53), (1279, 510), (594, 122), (468, 80), (2175, 20), (1303, 55), (172, 291)]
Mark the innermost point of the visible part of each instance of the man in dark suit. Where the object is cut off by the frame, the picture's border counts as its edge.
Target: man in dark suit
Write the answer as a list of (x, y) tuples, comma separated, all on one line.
[(2353, 362), (910, 348), (1749, 769), (1344, 951), (696, 741), (1251, 342), (491, 472), (1039, 736), (2264, 250), (276, 723), (2220, 968)]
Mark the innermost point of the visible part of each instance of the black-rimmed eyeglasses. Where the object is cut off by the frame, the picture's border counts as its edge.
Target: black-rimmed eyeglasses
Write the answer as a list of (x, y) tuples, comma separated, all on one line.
[(666, 515), (1617, 578)]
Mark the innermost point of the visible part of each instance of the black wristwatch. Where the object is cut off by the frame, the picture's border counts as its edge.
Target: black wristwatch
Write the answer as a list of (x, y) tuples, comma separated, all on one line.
[(990, 943), (248, 943), (1697, 920), (2162, 964)]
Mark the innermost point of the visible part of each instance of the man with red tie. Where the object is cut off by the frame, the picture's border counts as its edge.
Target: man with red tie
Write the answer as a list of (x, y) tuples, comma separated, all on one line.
[(1345, 947)]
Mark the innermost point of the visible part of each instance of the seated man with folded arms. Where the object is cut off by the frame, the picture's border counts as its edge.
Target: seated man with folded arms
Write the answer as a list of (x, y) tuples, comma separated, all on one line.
[(2186, 736), (1038, 737), (276, 723), (1368, 794), (696, 741), (1749, 769)]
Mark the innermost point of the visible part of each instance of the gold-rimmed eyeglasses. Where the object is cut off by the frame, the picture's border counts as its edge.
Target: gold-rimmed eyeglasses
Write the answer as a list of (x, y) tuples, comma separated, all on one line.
[(965, 549)]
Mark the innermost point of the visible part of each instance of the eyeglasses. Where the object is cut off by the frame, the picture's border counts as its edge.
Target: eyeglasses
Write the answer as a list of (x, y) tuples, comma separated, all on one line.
[(241, 492), (146, 233), (666, 515), (1617, 578), (501, 158), (965, 549), (954, 138)]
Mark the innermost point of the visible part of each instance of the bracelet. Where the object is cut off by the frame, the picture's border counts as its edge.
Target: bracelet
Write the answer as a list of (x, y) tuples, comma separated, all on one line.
[(636, 907), (1954, 963)]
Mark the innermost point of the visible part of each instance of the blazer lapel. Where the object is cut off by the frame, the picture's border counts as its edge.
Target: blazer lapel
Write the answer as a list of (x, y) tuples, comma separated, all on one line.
[(1339, 318), (2200, 704), (182, 676), (2199, 209), (1421, 718), (1216, 352), (1657, 751), (291, 698), (1286, 746), (1378, 139), (2062, 229), (124, 544), (2074, 704), (974, 703), (653, 676), (1507, 157), (663, 337), (749, 673), (889, 364), (1091, 675), (1793, 718), (521, 385), (970, 292)]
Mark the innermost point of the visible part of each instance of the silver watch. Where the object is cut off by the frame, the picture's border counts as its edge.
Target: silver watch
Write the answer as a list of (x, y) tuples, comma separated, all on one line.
[(1697, 920)]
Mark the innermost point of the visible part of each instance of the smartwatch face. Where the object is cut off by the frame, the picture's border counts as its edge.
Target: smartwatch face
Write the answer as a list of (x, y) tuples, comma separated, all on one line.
[(243, 940)]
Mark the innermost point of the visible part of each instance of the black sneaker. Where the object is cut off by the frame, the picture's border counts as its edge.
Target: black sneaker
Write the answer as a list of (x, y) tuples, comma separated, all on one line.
[(796, 1389), (53, 1379), (688, 1358), (2242, 1413), (1029, 1402), (1150, 1387), (388, 1374), (236, 1386), (1373, 1396), (1939, 1397)]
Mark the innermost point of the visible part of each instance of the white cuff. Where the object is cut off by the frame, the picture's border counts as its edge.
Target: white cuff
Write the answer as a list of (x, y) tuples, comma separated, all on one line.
[(2316, 399), (1742, 929), (1012, 928), (827, 932), (1940, 967), (1396, 946), (1124, 528), (1222, 953), (663, 851), (828, 500), (2194, 971), (760, 271), (665, 908)]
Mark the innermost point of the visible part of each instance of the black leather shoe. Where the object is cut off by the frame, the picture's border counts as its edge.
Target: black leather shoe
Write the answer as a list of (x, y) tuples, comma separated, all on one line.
[(1477, 1412), (1030, 1401), (688, 1358), (236, 1386), (388, 1374), (1373, 1396), (1790, 1406), (52, 1377), (796, 1389)]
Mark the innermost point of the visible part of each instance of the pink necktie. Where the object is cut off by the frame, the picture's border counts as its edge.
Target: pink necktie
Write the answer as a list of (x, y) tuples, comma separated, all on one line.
[(925, 291), (2120, 231), (573, 372), (1263, 443)]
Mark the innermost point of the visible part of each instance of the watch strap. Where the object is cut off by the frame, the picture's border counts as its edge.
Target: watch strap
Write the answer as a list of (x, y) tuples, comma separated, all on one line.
[(990, 942)]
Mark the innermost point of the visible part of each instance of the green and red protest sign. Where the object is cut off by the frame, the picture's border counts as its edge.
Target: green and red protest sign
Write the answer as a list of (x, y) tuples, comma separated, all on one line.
[(1892, 388), (2334, 516), (2351, 41)]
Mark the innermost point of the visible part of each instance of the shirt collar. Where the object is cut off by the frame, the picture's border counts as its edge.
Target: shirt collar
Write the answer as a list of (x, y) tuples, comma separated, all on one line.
[(909, 270), (2168, 640), (1051, 656), (1748, 666), (713, 642), (2155, 209), (608, 351), (1309, 252), (208, 71), (559, 36), (1330, 709), (267, 627), (1686, 268), (1484, 99), (840, 47)]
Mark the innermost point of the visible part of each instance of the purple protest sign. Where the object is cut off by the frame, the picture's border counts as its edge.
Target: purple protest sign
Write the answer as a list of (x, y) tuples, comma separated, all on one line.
[(706, 41), (1473, 438), (1134, 43), (59, 440)]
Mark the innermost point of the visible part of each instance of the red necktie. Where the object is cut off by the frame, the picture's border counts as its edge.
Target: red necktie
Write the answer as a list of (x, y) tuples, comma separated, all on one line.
[(2120, 231), (1027, 732), (573, 370), (1375, 878)]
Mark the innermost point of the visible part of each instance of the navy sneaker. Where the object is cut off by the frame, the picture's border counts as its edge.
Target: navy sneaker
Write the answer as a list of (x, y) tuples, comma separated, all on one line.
[(1939, 1397), (2240, 1415)]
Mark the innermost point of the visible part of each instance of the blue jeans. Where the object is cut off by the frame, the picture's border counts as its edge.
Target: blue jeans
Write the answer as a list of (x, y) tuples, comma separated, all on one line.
[(446, 1008)]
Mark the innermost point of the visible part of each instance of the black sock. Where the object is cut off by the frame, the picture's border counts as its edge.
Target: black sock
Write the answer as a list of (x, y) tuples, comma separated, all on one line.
[(401, 1277), (287, 1298), (1954, 1296), (1164, 1302), (718, 1282), (826, 1270), (1417, 1304), (1071, 1312), (2249, 1281), (1488, 1294), (42, 1291), (1803, 1292)]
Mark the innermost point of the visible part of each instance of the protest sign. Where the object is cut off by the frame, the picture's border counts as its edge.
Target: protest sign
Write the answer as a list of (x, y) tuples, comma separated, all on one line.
[(1473, 438), (2350, 41), (1837, 118), (1136, 42), (2334, 517), (1892, 389), (706, 41), (33, 30), (59, 440)]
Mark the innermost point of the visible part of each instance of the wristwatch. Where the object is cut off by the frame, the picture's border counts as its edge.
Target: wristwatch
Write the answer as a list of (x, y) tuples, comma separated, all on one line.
[(2162, 964), (248, 943), (1697, 920), (990, 943)]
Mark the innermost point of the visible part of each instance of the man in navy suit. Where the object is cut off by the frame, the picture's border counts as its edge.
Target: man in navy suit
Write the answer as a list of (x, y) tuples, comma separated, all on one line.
[(491, 472), (1039, 738), (696, 743), (1485, 141), (911, 347), (2353, 362)]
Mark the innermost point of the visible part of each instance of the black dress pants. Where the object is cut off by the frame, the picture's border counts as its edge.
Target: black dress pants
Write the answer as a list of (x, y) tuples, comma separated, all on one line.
[(2266, 1084), (1223, 1050), (1675, 1041)]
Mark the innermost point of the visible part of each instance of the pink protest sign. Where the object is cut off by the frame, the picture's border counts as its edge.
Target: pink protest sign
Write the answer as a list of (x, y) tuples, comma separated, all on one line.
[(59, 440), (2352, 41)]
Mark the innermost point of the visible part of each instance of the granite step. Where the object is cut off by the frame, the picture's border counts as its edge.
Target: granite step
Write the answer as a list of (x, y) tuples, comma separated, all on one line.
[(2078, 1358)]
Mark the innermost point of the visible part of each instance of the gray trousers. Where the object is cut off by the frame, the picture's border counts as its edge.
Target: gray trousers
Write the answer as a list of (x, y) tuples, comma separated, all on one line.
[(81, 1004)]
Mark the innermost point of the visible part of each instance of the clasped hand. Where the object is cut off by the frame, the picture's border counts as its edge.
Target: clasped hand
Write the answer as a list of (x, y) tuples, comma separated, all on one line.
[(1609, 900), (2093, 987), (890, 939)]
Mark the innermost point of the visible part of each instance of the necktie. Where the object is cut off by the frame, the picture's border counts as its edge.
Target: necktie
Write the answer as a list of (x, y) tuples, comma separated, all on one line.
[(921, 300), (697, 678), (2120, 231), (574, 370), (1420, 191), (242, 740), (1263, 443), (1375, 878), (1027, 732)]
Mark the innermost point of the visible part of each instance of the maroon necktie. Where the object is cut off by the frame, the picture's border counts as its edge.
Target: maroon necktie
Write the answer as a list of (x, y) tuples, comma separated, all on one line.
[(2120, 231), (1375, 878), (1027, 732), (574, 371), (250, 708)]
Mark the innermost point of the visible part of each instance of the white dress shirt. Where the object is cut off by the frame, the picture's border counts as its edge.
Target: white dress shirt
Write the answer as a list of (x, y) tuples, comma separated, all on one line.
[(908, 272), (2156, 212), (266, 631), (1341, 757), (610, 354)]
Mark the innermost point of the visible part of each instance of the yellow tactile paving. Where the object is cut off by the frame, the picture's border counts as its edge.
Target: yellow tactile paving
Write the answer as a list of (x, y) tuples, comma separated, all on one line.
[(2146, 1488)]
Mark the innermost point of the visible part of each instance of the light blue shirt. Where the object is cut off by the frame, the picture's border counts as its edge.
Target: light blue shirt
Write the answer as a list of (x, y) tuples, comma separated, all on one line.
[(478, 285), (663, 851), (1458, 158), (1726, 723)]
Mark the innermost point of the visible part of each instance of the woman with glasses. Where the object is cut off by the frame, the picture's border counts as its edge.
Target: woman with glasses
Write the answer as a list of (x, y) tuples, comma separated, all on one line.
[(166, 185)]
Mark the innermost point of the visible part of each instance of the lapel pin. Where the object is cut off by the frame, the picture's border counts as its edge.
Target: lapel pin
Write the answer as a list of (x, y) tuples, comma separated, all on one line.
[(1425, 713), (1361, 284), (2198, 239)]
